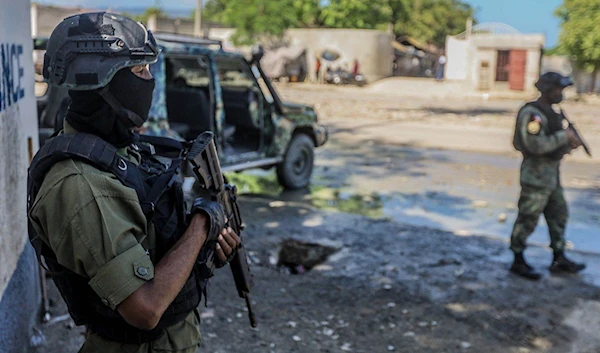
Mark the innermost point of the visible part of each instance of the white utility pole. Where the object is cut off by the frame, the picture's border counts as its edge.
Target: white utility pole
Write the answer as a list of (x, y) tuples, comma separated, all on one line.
[(198, 19)]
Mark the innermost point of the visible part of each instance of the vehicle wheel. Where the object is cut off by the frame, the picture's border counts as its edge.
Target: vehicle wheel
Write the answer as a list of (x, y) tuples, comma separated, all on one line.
[(296, 169)]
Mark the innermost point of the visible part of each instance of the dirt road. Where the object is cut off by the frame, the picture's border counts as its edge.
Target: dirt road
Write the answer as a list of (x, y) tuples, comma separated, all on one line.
[(421, 261)]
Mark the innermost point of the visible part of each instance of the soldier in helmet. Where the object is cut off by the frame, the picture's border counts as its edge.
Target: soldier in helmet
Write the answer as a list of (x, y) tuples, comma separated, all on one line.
[(543, 138), (106, 208)]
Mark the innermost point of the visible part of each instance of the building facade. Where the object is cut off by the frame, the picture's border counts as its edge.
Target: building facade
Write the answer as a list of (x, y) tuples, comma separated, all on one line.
[(19, 276), (495, 56)]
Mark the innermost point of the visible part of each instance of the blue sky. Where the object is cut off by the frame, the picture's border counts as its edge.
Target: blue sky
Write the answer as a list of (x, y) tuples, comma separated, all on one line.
[(528, 16)]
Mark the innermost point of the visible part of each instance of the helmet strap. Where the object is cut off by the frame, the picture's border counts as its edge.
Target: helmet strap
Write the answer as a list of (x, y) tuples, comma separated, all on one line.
[(123, 113)]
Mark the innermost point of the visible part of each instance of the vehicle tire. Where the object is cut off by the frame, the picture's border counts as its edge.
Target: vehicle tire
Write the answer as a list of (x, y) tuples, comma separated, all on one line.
[(296, 169)]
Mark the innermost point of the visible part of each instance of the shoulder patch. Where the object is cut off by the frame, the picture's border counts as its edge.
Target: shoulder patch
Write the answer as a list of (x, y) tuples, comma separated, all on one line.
[(534, 126)]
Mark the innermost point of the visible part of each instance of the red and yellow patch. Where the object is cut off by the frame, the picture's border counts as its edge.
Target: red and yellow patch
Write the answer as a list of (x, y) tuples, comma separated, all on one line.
[(535, 125)]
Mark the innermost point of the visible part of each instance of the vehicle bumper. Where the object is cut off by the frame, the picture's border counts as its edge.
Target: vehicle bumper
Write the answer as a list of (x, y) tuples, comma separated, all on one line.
[(321, 135)]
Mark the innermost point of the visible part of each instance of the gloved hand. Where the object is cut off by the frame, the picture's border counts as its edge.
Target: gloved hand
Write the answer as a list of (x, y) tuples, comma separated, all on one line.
[(215, 218)]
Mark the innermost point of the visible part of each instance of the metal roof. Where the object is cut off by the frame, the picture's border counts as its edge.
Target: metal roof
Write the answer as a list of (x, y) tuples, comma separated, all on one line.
[(491, 28)]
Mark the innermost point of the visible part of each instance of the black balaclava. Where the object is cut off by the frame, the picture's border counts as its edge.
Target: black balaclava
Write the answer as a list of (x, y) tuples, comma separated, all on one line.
[(133, 92), (90, 113)]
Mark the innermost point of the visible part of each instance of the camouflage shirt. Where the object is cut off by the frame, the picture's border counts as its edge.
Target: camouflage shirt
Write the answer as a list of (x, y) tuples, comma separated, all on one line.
[(543, 141)]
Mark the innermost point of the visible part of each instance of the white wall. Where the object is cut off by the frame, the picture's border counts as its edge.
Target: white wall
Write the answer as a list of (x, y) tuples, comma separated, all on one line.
[(457, 52), (18, 129), (532, 68)]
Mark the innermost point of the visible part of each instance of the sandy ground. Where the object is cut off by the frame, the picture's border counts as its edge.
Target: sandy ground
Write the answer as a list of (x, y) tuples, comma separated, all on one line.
[(421, 262)]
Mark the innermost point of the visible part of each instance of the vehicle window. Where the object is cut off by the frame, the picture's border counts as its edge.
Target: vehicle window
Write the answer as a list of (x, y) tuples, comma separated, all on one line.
[(188, 71), (234, 73)]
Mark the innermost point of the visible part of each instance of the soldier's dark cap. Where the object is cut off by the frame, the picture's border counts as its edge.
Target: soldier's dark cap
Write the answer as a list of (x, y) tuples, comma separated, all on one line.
[(551, 80)]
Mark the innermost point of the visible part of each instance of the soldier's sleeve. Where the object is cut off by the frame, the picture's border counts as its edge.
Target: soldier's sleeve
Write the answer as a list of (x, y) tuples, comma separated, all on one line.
[(537, 142), (101, 235)]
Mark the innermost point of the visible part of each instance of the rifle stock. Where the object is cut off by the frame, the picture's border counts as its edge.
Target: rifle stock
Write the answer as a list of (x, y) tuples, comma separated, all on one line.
[(202, 155)]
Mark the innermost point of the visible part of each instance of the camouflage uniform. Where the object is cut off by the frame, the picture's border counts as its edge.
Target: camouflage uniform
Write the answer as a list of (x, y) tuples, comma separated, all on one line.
[(541, 137), (107, 239)]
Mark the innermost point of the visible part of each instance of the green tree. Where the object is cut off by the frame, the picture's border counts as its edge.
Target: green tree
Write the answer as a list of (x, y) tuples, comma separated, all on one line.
[(352, 14), (426, 20), (580, 37), (432, 20), (253, 19), (213, 10), (308, 13)]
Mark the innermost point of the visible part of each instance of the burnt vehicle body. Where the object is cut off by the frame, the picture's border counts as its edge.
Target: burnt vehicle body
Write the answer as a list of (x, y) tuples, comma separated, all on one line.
[(200, 87)]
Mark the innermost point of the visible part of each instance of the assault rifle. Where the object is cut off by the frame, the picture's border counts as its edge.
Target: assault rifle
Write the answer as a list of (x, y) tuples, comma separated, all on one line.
[(586, 147), (202, 156)]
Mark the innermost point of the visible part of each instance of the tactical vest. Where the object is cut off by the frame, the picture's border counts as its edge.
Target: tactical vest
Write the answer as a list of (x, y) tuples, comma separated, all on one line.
[(157, 182), (554, 121)]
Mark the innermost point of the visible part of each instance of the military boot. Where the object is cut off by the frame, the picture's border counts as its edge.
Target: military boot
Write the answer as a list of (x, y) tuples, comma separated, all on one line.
[(562, 264), (521, 267)]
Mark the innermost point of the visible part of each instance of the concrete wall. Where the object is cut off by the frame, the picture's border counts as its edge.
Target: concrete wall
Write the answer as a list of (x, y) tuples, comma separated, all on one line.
[(371, 48), (19, 292), (457, 52)]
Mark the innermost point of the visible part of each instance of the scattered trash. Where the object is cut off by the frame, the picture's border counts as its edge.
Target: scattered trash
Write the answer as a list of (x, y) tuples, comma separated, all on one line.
[(423, 324), (502, 217), (37, 338), (392, 325), (301, 256), (46, 317), (446, 262), (387, 287), (59, 319), (297, 338), (391, 305), (239, 315), (292, 324), (391, 348), (434, 323), (480, 204), (207, 313), (465, 345), (346, 347), (409, 334), (328, 332), (212, 335)]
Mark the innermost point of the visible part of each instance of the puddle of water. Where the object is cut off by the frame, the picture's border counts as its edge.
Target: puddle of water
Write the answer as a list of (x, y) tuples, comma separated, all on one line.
[(320, 196), (441, 209)]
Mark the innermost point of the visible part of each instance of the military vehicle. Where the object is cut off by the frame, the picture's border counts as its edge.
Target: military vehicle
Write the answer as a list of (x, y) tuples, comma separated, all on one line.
[(201, 87)]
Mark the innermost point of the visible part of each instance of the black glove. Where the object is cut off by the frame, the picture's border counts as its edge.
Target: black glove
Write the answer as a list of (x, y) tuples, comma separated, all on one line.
[(215, 218)]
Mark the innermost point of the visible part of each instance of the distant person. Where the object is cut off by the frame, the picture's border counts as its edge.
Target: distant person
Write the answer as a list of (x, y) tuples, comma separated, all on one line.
[(541, 137), (317, 69), (355, 68), (441, 63)]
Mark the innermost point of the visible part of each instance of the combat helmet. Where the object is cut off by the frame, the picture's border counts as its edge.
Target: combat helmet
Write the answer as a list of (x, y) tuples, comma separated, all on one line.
[(551, 80), (85, 51)]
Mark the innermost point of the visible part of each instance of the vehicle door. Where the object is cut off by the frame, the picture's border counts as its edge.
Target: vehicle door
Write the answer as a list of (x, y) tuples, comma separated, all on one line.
[(244, 110)]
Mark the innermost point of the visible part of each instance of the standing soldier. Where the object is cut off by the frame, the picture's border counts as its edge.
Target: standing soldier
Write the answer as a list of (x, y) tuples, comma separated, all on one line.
[(106, 211), (543, 137)]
